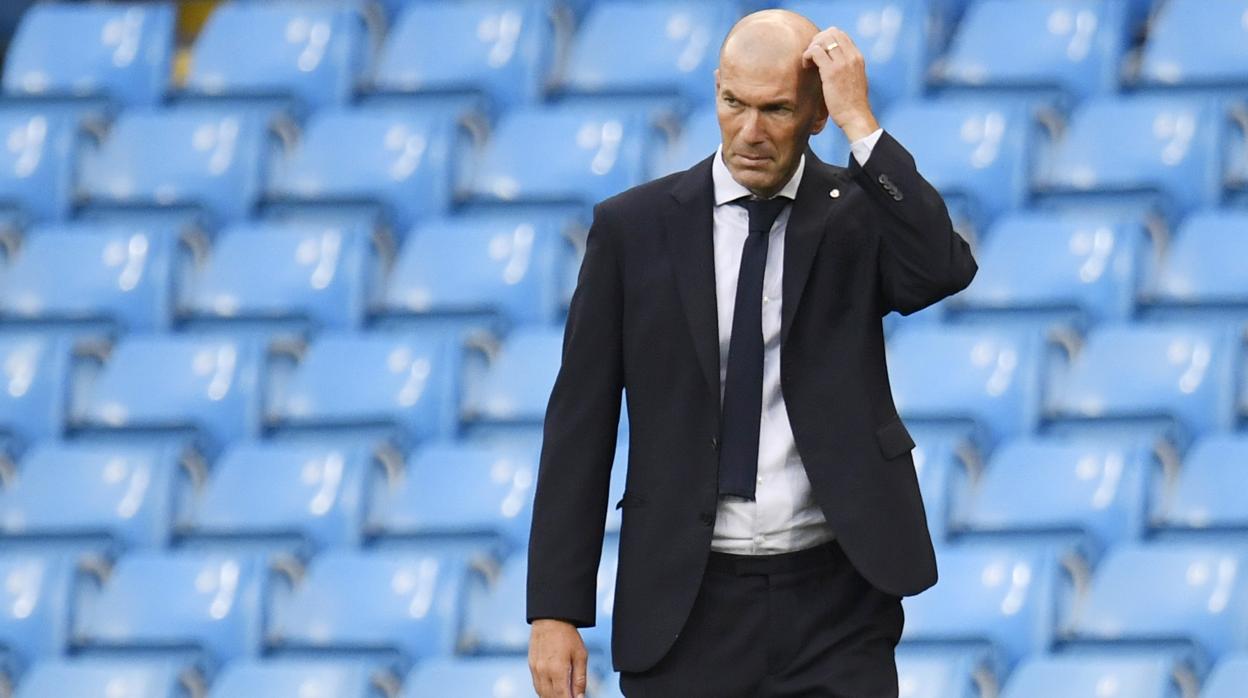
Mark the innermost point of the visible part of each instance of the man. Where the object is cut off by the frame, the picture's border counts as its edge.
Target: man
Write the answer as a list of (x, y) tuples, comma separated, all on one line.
[(771, 518)]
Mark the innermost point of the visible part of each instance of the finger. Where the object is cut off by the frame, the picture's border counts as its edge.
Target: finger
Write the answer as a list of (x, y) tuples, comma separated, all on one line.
[(821, 57), (580, 677), (844, 42)]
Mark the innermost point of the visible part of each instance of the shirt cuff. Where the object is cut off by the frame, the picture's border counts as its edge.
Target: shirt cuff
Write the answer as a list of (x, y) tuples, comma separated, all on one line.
[(862, 147)]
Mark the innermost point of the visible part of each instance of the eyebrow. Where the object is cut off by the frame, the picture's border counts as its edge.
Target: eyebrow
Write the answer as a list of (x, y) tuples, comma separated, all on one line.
[(765, 105)]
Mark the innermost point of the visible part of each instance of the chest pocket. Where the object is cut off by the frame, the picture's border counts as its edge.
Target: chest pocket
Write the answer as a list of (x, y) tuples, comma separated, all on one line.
[(893, 438)]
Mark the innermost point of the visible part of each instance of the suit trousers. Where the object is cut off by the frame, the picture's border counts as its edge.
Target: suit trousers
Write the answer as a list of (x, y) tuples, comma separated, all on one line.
[(795, 624)]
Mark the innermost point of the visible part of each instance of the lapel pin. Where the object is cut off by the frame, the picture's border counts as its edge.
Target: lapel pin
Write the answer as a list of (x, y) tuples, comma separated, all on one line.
[(835, 193)]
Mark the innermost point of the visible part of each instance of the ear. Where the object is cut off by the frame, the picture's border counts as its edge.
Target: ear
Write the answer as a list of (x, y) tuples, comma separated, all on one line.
[(821, 118)]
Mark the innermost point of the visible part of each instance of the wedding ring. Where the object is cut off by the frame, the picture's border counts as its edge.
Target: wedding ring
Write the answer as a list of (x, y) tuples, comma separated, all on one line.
[(831, 46)]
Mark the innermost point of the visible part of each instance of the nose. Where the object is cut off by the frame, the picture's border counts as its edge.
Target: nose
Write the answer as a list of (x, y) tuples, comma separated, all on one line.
[(750, 130)]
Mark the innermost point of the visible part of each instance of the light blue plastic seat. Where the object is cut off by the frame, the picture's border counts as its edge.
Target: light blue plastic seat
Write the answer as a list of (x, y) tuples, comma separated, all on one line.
[(488, 676), (37, 167), (943, 467), (924, 675), (99, 677), (1092, 675), (34, 371), (304, 678), (1205, 500), (34, 608), (516, 386), (697, 140), (1198, 275), (1228, 677), (1197, 43)]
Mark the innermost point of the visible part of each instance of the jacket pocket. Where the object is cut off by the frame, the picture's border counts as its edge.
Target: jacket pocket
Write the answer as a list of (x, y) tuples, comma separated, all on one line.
[(893, 438)]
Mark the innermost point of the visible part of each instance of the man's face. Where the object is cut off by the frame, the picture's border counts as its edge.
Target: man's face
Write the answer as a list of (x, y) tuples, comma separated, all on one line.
[(766, 115)]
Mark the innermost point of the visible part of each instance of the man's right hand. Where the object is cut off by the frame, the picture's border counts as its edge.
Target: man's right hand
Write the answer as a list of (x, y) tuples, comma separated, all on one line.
[(557, 659)]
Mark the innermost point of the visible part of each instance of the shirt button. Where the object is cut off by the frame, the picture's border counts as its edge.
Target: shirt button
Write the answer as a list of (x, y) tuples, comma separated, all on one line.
[(760, 479), (759, 540)]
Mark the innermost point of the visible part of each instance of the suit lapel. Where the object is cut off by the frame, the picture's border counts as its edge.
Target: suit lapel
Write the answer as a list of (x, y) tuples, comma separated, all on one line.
[(807, 224)]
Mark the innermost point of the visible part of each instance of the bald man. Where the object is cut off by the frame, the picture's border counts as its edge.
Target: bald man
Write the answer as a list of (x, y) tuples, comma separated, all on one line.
[(771, 520)]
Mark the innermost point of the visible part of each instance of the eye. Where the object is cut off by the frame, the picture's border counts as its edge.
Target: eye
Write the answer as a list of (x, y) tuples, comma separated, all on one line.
[(730, 100)]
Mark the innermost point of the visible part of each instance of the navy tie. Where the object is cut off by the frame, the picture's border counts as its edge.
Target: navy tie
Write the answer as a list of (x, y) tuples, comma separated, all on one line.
[(743, 386)]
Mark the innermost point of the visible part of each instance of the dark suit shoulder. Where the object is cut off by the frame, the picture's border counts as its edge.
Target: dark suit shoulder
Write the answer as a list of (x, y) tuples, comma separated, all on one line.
[(640, 197)]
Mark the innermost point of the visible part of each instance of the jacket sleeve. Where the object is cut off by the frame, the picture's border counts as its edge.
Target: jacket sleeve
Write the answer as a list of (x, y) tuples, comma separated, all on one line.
[(579, 440), (921, 258)]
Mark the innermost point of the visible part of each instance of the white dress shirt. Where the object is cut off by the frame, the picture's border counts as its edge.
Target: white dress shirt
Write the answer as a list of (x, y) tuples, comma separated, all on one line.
[(783, 516)]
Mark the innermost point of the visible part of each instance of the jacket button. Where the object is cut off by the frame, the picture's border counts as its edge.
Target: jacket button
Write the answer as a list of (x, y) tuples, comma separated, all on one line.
[(707, 518), (896, 195), (714, 443), (882, 179)]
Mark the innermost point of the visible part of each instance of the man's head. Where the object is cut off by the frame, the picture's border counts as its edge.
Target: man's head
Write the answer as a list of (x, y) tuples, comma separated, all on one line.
[(767, 103)]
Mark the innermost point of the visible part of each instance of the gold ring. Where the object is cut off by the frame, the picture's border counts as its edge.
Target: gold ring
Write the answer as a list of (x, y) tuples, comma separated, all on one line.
[(831, 46)]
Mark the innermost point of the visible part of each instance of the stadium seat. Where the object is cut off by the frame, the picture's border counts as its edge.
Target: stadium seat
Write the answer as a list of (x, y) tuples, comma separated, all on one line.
[(204, 387), (976, 153), (1144, 381), (118, 495), (97, 677), (1059, 51), (301, 678), (89, 276), (1134, 156), (1186, 602), (516, 386), (447, 490), (274, 275), (489, 55), (486, 677), (943, 468), (560, 155), (921, 675), (1049, 269), (34, 371), (1197, 43), (1198, 276), (195, 608), (507, 270), (392, 163), (1200, 500), (400, 386), (294, 496), (696, 140), (1091, 675), (307, 55), (34, 608), (976, 382), (1228, 677), (121, 52), (395, 606), (170, 160), (37, 166), (1043, 492)]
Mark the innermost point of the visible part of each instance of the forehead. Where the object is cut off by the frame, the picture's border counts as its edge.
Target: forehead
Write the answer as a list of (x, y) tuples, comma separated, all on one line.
[(760, 78)]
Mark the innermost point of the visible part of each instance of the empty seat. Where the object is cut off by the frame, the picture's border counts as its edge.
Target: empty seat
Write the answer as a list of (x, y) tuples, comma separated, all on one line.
[(1197, 43), (400, 386), (1068, 49), (37, 166), (188, 160), (121, 52), (975, 381), (516, 386), (34, 372), (302, 496), (87, 275), (493, 54), (278, 275), (697, 140), (498, 270), (1135, 155), (488, 676), (1204, 498), (1144, 381), (387, 162), (34, 608), (1092, 675), (920, 675), (307, 53), (115, 494), (305, 678), (96, 677), (1198, 275), (943, 468), (1228, 677), (1049, 268), (194, 607), (201, 387)]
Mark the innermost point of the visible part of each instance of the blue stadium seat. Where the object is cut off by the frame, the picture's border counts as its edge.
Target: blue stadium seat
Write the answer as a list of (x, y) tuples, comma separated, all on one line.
[(295, 495), (507, 270), (1202, 499), (89, 276), (97, 677), (1185, 602), (977, 382), (1047, 268), (1063, 50), (1198, 276), (196, 608), (897, 38), (993, 604), (1092, 675), (115, 494), (170, 160), (392, 162), (304, 678), (490, 55), (400, 386), (1197, 43), (1133, 156), (516, 386), (1236, 157), (34, 372), (697, 140), (920, 675), (170, 385), (975, 152), (491, 676), (1228, 677), (34, 608), (306, 54), (943, 468), (274, 275), (121, 52), (1144, 381), (37, 167), (461, 492), (398, 606), (562, 155), (1044, 492)]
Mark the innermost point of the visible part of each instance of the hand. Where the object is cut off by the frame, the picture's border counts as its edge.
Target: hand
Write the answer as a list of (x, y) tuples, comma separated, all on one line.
[(843, 73), (557, 659)]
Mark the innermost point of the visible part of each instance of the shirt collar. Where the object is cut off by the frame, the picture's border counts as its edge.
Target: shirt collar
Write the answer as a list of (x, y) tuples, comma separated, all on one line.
[(728, 189)]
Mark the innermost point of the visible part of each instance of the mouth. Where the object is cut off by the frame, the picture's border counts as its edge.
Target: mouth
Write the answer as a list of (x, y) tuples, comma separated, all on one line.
[(752, 160)]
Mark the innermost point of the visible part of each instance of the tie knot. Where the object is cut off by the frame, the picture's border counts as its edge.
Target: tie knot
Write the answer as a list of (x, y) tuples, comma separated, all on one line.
[(763, 212)]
